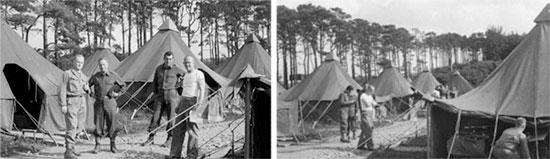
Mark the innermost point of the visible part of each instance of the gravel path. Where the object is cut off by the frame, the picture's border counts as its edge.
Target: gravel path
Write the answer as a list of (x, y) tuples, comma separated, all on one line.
[(131, 144), (331, 147)]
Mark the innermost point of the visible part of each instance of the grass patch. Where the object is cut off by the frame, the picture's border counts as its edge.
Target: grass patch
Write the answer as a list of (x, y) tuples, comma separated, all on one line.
[(12, 145)]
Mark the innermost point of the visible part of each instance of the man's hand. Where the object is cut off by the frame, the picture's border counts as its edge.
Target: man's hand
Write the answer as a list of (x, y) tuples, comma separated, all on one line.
[(114, 94), (64, 109)]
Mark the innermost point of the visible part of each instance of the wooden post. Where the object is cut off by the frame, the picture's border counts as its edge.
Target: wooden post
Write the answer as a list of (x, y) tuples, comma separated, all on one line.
[(430, 133), (247, 121)]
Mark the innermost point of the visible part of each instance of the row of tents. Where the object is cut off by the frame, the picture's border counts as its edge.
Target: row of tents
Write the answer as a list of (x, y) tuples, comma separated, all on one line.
[(29, 82), (518, 87)]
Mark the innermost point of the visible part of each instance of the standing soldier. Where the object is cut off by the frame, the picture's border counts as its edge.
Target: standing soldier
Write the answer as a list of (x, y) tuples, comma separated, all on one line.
[(72, 90), (367, 104), (166, 97), (347, 101), (193, 90), (107, 86)]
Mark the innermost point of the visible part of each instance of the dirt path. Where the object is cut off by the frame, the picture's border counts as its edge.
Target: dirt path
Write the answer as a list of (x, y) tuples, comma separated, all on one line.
[(331, 147), (130, 143)]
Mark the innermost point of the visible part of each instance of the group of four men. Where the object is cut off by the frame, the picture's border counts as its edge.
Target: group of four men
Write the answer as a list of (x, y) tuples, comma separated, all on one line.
[(177, 93)]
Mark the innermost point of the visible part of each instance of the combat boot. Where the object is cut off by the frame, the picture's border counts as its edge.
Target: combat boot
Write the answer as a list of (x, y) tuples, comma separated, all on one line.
[(69, 154), (113, 146), (97, 145)]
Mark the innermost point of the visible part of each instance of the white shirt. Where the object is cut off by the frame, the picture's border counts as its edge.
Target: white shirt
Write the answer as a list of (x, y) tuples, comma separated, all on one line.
[(367, 103), (190, 83)]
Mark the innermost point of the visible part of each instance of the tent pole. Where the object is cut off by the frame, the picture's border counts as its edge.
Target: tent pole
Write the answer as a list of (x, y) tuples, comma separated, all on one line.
[(536, 138), (322, 114), (312, 109), (457, 128), (247, 146), (36, 122), (494, 137), (429, 123), (304, 117), (133, 95)]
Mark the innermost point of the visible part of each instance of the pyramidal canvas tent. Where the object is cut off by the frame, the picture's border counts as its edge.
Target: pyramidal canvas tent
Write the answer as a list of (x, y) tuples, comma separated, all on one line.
[(391, 84), (91, 65), (33, 81), (459, 83), (518, 87), (318, 92), (425, 82), (138, 69), (251, 53)]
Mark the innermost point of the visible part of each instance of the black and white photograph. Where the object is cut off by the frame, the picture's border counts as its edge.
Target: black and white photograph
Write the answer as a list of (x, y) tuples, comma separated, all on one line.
[(413, 79), (135, 79)]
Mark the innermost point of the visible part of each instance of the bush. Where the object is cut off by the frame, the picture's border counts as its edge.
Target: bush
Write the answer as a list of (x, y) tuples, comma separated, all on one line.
[(474, 72)]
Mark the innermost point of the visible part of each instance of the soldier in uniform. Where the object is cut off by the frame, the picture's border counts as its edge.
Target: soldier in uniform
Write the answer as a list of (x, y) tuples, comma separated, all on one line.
[(166, 97), (347, 102), (73, 88), (193, 86), (107, 86)]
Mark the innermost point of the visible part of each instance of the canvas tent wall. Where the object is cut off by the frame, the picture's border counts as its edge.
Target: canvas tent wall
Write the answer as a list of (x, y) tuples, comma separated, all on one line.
[(7, 105), (91, 65), (251, 53), (459, 83), (34, 82), (138, 69), (316, 95), (518, 87)]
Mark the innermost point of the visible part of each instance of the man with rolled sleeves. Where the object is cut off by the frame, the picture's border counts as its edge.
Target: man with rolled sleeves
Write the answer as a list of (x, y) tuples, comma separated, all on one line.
[(367, 104), (107, 86), (166, 97), (193, 86), (73, 88)]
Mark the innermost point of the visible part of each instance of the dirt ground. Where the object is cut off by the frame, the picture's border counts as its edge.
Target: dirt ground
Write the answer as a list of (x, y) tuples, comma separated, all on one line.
[(129, 143), (385, 137)]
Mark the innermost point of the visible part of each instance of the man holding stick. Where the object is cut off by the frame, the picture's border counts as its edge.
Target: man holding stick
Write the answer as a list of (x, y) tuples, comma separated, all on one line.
[(193, 86)]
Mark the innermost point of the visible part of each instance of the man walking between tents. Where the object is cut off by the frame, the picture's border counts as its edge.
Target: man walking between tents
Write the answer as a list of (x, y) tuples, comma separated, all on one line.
[(367, 104), (73, 88), (193, 86), (107, 86), (347, 103), (166, 98)]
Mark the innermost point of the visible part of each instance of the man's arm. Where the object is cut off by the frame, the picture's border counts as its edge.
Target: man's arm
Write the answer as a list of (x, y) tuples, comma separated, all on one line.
[(344, 100), (202, 87), (63, 89), (121, 89), (523, 146), (155, 80)]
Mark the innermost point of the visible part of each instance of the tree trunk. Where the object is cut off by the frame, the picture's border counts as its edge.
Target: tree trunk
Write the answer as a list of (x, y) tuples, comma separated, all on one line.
[(130, 27), (45, 36)]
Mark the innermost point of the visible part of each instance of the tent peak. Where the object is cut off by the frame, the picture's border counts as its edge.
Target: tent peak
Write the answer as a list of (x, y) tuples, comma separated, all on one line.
[(544, 15), (168, 24), (252, 38), (329, 56)]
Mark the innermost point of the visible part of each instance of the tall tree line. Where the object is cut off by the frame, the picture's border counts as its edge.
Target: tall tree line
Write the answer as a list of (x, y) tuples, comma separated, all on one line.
[(68, 27), (309, 31)]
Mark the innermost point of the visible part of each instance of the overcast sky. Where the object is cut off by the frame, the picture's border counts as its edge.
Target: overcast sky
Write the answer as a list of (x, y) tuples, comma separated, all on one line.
[(440, 16)]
